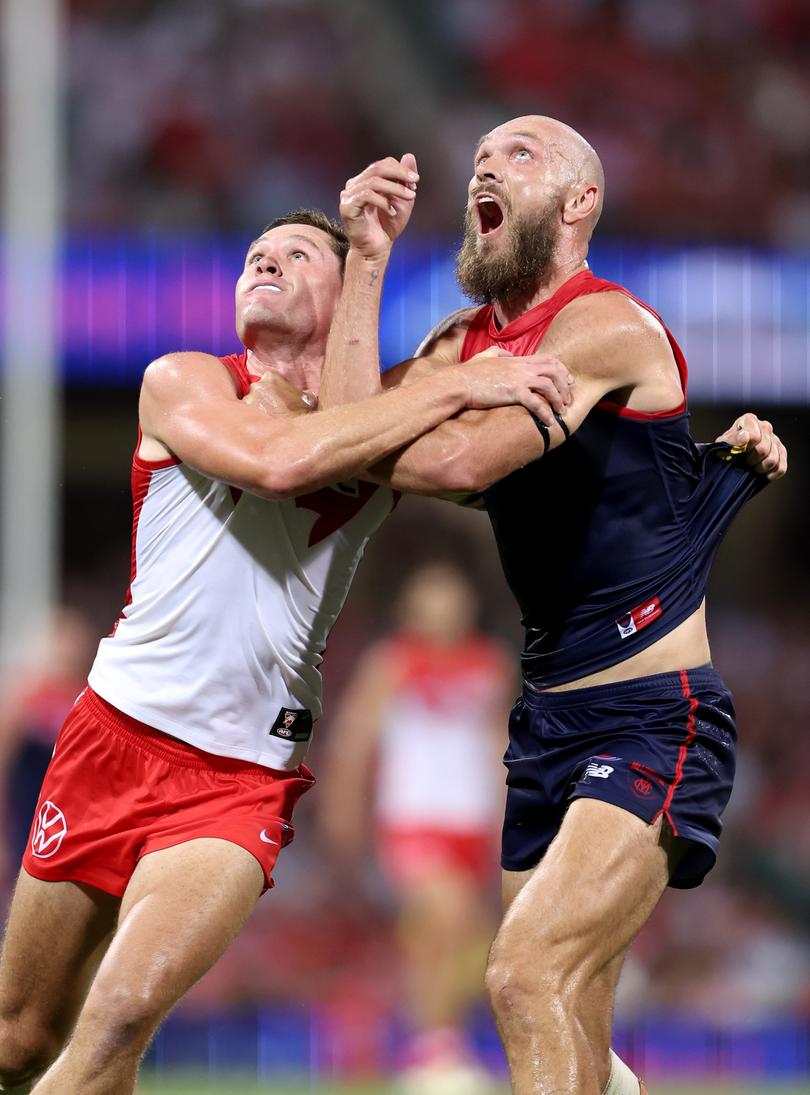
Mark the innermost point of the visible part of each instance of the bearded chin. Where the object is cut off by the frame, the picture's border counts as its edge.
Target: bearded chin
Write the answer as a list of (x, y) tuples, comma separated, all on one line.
[(520, 268)]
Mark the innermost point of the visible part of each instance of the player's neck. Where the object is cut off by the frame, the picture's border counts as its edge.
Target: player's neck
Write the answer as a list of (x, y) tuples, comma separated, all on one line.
[(508, 311), (301, 365)]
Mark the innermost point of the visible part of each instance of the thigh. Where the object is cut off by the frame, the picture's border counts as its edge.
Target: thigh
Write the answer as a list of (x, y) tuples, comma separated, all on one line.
[(596, 886), (56, 935), (180, 912)]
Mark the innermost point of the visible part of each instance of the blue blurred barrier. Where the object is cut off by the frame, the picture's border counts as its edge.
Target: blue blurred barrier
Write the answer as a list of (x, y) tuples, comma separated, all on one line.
[(742, 316), (296, 1041)]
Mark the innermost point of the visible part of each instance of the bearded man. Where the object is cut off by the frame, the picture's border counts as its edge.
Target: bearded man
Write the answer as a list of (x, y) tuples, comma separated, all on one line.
[(622, 744)]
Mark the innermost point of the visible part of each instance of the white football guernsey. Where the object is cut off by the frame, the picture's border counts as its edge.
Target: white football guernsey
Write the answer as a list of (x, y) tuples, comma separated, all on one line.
[(438, 755), (230, 604)]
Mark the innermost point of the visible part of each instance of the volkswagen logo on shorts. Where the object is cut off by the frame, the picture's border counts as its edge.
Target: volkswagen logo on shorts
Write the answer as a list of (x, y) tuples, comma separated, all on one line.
[(50, 829)]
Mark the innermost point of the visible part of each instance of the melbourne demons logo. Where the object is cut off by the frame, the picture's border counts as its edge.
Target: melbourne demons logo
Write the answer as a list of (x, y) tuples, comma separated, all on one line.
[(50, 829)]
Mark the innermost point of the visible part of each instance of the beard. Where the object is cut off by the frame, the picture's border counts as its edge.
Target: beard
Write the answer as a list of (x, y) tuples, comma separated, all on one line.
[(522, 265)]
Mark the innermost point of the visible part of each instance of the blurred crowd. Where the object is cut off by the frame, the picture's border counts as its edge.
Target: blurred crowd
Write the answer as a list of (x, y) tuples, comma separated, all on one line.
[(186, 116)]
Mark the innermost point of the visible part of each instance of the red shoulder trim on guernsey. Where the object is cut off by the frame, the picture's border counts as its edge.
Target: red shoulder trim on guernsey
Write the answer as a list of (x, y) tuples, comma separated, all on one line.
[(142, 471), (152, 465), (483, 331), (603, 286), (236, 364), (684, 749)]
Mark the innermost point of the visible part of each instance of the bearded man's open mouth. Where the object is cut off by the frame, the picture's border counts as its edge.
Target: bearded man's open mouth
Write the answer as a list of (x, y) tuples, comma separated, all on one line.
[(490, 213)]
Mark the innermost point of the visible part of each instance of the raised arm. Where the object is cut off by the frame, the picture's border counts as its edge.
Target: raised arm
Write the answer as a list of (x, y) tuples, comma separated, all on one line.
[(190, 409), (375, 207)]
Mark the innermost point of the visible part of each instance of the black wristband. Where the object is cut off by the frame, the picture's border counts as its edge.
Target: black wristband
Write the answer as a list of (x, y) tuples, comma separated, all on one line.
[(543, 428), (558, 418)]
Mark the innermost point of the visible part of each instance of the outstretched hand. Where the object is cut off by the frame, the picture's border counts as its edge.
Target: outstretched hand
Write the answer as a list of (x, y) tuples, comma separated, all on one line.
[(754, 436), (376, 205)]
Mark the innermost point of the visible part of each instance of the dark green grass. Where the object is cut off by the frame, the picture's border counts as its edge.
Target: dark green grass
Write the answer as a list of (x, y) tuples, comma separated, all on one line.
[(213, 1085)]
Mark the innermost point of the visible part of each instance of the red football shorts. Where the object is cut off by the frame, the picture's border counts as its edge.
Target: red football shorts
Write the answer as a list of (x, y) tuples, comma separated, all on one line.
[(116, 789), (413, 855)]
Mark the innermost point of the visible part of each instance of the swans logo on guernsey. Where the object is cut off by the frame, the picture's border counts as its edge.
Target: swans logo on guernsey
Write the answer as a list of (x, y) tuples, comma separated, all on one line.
[(639, 617), (292, 724), (50, 829)]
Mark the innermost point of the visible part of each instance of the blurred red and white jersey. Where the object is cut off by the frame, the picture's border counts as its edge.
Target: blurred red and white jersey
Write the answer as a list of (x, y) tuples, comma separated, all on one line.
[(231, 600), (439, 746)]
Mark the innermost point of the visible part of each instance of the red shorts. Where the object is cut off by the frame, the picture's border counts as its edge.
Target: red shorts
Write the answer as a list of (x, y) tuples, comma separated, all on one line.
[(116, 789), (412, 855)]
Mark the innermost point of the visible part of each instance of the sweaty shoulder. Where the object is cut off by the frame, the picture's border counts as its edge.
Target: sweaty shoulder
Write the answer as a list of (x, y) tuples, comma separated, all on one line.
[(609, 335), (175, 371), (175, 381)]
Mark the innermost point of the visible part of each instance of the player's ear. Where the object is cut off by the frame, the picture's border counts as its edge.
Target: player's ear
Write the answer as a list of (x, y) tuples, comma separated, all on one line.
[(581, 203)]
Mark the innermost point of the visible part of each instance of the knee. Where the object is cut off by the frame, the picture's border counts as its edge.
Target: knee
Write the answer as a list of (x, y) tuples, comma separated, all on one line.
[(120, 1022), (527, 976), (27, 1048)]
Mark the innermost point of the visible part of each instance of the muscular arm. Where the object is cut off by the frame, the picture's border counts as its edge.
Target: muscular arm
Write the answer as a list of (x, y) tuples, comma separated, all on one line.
[(609, 344), (376, 206), (351, 368), (190, 406)]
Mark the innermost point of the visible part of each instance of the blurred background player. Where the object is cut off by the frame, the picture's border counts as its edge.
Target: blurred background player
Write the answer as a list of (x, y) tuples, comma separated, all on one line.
[(415, 770), (34, 707)]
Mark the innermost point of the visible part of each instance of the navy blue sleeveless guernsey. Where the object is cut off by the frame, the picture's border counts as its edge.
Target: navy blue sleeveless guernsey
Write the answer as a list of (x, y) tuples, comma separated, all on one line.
[(607, 541)]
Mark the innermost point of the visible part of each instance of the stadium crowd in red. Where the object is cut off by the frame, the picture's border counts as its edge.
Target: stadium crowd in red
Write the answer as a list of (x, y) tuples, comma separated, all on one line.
[(701, 112)]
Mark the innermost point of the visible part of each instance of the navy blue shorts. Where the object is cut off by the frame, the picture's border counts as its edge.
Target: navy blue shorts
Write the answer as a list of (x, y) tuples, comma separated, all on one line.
[(656, 746)]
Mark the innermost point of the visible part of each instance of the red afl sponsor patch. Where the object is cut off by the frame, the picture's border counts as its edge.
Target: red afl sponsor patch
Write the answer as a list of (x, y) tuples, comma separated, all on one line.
[(639, 617)]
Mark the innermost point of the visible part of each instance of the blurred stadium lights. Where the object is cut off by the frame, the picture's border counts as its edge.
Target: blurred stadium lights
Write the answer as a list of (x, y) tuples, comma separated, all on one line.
[(30, 32), (741, 314)]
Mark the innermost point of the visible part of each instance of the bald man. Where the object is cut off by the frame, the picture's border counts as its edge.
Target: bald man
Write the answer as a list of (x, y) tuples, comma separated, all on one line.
[(621, 750)]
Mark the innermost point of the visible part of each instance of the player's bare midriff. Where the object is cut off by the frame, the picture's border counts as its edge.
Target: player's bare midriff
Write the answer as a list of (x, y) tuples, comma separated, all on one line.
[(686, 647)]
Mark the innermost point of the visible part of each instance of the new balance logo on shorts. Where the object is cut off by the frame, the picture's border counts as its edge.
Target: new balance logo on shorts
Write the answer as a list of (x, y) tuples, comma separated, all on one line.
[(597, 771), (50, 829)]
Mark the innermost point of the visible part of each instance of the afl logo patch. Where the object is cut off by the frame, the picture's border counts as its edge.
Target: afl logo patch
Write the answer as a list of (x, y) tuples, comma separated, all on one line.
[(50, 829), (292, 724)]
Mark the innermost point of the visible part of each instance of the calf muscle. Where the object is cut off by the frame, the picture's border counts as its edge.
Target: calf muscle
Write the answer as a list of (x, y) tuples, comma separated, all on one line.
[(556, 960)]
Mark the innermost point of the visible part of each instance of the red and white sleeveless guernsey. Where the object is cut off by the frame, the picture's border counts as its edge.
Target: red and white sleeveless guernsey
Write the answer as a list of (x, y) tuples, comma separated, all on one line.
[(231, 600)]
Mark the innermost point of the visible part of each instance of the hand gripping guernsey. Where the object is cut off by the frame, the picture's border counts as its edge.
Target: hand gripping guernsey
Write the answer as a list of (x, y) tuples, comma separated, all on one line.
[(204, 696), (628, 515)]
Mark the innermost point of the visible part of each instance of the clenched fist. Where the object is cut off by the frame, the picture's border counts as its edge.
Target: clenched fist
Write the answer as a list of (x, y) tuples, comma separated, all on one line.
[(274, 394)]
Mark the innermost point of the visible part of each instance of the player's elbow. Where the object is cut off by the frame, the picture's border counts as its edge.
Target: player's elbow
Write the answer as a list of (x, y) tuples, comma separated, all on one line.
[(283, 475), (464, 472)]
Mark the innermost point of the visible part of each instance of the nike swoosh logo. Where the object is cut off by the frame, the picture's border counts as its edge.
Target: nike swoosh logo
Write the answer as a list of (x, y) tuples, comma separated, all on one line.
[(267, 839)]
